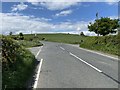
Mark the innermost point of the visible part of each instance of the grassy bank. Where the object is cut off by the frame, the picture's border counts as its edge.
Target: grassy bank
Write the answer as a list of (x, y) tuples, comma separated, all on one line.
[(107, 44), (17, 64), (28, 44)]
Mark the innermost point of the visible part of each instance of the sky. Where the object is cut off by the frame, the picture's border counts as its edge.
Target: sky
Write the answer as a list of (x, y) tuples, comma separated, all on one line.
[(53, 17)]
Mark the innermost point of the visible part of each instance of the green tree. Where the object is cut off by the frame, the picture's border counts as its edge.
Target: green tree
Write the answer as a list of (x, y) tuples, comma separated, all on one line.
[(103, 26), (10, 33), (82, 34), (21, 36)]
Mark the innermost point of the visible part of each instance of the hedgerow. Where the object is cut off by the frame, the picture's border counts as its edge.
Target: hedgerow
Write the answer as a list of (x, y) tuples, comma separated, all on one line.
[(17, 64)]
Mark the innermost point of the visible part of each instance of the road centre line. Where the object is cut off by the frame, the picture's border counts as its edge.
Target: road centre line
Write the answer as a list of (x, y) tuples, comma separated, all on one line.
[(85, 62), (62, 48)]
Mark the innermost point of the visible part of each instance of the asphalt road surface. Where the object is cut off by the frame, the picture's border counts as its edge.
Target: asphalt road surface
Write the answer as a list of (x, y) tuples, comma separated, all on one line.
[(68, 66)]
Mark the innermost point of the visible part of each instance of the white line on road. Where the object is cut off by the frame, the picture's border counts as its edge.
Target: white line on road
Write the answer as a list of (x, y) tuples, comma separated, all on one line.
[(38, 52), (86, 62), (39, 69), (38, 74), (62, 48)]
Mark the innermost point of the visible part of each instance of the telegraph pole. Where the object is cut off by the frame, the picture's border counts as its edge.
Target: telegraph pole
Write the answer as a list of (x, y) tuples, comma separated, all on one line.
[(119, 17), (97, 22)]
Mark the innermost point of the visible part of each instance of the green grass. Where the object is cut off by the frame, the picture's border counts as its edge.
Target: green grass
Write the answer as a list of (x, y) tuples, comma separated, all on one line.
[(29, 44), (17, 64), (107, 44), (64, 38)]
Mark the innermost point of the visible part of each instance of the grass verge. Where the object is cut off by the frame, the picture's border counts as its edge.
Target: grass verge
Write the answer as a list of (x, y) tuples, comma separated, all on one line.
[(106, 44), (28, 44)]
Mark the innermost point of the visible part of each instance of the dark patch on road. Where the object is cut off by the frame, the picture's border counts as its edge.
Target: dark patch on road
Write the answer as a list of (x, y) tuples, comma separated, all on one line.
[(111, 77)]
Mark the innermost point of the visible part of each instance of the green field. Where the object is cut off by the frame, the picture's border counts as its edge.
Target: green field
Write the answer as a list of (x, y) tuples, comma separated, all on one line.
[(107, 44), (65, 38)]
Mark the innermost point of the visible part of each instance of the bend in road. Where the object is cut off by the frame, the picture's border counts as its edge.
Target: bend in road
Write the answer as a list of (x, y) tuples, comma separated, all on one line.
[(62, 70)]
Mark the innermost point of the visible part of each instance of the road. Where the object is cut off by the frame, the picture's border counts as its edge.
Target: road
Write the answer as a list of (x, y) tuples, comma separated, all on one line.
[(68, 66)]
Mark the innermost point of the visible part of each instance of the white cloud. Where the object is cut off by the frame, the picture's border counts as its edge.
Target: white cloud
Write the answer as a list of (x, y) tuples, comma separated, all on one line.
[(60, 1), (19, 7), (63, 4), (111, 3), (55, 5), (26, 24), (64, 13), (23, 24), (72, 0), (113, 17), (89, 33), (36, 8)]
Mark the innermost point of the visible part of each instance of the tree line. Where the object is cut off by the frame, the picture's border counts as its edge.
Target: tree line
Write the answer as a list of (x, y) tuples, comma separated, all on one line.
[(20, 36)]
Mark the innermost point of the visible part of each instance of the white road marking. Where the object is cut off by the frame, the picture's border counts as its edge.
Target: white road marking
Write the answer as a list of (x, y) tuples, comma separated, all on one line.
[(62, 48), (99, 53), (38, 74), (38, 52), (39, 69), (85, 62)]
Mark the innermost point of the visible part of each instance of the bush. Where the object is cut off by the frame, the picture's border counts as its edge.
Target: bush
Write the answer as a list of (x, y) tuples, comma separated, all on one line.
[(43, 38), (82, 34), (17, 64)]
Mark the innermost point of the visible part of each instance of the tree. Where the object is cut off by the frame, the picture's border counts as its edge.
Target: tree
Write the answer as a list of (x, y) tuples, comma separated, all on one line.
[(10, 33), (21, 36), (82, 34), (103, 26)]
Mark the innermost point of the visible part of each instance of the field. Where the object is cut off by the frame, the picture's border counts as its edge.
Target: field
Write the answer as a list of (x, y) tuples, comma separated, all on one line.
[(64, 38), (107, 44)]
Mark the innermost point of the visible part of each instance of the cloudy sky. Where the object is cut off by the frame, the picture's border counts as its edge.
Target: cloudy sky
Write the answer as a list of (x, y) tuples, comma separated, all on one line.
[(53, 17)]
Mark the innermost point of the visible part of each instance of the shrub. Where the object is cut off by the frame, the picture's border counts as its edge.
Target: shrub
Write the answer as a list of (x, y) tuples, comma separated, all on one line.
[(17, 64)]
